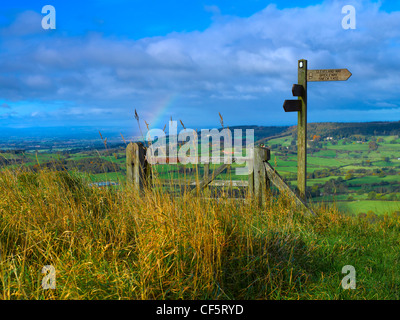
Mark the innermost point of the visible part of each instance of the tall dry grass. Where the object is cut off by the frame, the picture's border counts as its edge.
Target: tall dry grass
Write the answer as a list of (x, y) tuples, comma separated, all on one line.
[(118, 244)]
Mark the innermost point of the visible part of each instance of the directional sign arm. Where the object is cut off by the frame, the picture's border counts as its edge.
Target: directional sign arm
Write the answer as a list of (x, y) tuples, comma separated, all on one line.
[(297, 90), (292, 105), (328, 75)]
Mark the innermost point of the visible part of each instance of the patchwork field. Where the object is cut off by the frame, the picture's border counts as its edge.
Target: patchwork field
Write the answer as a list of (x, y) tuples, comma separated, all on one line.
[(370, 177)]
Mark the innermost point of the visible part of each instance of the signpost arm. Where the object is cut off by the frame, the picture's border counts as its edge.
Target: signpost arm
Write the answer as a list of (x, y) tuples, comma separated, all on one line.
[(302, 132)]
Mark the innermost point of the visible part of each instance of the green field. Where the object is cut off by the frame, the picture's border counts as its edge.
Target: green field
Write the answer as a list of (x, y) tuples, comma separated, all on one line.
[(365, 206), (347, 159)]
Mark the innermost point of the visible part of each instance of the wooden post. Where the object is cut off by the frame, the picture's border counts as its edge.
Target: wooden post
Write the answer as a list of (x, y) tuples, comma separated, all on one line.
[(206, 175), (138, 170), (251, 173), (206, 171), (261, 181), (302, 132)]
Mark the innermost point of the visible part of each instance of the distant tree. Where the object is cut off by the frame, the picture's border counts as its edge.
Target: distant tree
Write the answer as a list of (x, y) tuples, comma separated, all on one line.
[(371, 195), (316, 137), (373, 146), (349, 176), (392, 197), (381, 174), (315, 192)]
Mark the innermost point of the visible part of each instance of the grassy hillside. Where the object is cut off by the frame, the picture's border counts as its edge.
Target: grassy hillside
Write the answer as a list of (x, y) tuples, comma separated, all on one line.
[(114, 244)]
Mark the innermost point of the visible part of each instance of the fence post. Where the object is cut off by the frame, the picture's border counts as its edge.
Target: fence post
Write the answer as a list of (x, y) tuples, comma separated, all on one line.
[(138, 170), (251, 173), (206, 176), (261, 181)]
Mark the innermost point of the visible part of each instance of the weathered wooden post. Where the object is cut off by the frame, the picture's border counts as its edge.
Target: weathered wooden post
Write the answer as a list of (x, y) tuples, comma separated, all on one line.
[(302, 130), (138, 170), (260, 178), (251, 173), (300, 90), (206, 176), (206, 170)]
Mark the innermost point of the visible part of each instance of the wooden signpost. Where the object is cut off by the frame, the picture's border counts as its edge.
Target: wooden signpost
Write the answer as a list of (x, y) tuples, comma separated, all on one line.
[(300, 90)]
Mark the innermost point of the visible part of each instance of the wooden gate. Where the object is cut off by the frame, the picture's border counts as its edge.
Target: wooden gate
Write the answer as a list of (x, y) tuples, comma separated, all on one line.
[(261, 175)]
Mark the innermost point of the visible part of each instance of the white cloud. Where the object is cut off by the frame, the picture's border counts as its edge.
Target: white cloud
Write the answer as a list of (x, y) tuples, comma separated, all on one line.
[(26, 23), (249, 59)]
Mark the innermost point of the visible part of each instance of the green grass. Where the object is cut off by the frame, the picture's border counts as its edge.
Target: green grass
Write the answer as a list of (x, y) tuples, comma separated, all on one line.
[(351, 147), (109, 176), (378, 207), (328, 162), (325, 153), (284, 141), (373, 179), (311, 182)]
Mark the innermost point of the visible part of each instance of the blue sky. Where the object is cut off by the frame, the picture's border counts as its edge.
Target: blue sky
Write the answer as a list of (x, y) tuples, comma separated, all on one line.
[(190, 60)]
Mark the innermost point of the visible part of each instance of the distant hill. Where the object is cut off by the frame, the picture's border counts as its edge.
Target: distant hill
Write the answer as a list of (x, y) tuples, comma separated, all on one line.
[(342, 130), (338, 130), (265, 133), (260, 133), (326, 129)]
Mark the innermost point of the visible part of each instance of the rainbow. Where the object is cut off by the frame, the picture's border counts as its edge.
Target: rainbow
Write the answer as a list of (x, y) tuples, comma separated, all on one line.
[(159, 116)]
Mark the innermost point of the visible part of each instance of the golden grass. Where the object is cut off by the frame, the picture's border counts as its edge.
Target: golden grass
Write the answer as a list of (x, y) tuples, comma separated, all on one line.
[(118, 244)]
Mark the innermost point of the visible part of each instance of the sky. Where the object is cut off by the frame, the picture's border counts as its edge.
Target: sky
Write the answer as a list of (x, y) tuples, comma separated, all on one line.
[(191, 60)]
